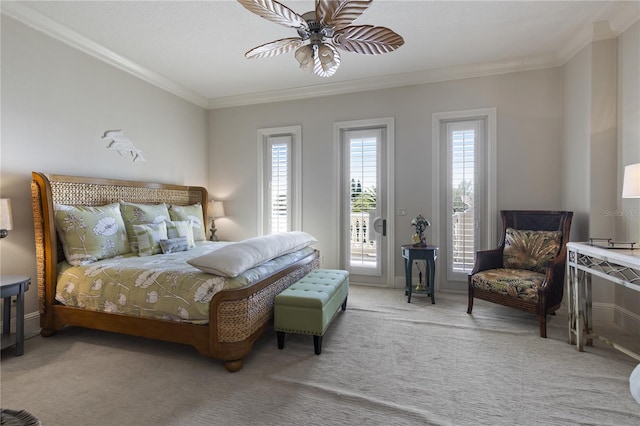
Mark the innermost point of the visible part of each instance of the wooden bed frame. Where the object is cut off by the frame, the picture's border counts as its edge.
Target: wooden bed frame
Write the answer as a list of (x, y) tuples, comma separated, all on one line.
[(237, 317)]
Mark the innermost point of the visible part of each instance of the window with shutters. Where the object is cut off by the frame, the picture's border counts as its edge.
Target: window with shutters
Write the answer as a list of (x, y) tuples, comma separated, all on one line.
[(462, 194), (279, 180), (278, 200), (464, 188)]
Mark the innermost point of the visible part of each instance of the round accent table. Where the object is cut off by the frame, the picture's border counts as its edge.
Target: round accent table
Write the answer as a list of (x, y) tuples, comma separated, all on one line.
[(13, 285), (411, 253)]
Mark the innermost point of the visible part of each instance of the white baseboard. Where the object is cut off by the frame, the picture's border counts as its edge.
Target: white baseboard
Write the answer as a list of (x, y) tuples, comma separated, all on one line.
[(618, 315), (31, 325), (626, 319)]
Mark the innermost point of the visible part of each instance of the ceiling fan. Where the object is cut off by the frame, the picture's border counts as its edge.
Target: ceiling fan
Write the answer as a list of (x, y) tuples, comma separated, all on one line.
[(327, 28)]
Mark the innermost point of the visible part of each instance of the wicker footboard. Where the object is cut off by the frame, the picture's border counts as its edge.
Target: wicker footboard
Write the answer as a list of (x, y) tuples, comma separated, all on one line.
[(241, 316)]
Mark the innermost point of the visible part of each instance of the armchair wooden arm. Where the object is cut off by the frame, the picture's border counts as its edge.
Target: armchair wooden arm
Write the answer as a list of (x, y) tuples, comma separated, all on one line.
[(553, 284), (487, 259)]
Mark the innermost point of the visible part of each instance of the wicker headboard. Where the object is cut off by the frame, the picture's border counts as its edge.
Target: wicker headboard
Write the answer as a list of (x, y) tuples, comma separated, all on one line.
[(47, 189)]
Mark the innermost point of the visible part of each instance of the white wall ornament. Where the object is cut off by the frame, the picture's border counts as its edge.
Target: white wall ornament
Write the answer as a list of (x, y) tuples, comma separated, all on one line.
[(123, 145)]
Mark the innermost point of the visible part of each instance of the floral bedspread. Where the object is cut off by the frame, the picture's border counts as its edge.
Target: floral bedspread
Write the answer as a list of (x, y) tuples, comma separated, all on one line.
[(162, 286)]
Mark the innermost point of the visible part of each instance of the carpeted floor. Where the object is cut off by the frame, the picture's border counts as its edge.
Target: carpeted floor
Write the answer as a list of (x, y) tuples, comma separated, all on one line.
[(384, 362)]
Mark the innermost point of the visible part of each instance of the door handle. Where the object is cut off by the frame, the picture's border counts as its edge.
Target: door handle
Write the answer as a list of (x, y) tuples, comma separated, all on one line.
[(380, 226)]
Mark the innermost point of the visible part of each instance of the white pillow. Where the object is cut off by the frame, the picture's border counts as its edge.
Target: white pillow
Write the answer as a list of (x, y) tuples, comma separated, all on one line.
[(234, 259), (180, 228)]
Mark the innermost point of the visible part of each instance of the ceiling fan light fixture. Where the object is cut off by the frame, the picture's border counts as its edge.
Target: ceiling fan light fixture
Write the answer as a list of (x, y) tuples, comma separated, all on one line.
[(326, 55), (304, 56), (329, 23)]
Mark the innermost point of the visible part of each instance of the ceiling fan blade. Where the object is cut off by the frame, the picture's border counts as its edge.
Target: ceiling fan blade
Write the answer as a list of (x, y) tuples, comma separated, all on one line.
[(276, 12), (339, 14), (274, 48), (326, 60), (367, 40)]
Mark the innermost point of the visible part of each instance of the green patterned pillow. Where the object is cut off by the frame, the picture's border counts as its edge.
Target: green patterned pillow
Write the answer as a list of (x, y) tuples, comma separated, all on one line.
[(192, 213), (140, 214), (90, 233), (181, 228), (530, 250), (149, 236)]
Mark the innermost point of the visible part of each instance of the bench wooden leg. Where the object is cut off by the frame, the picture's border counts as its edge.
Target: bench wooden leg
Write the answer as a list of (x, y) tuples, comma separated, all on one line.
[(280, 335), (344, 304), (317, 344)]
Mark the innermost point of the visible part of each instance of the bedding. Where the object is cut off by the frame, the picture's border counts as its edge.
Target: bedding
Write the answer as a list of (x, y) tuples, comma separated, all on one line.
[(174, 245), (162, 286), (140, 214), (91, 233), (179, 228), (234, 259), (149, 236), (192, 214)]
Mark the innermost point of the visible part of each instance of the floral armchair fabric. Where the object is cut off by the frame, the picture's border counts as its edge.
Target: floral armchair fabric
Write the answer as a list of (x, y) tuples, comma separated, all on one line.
[(526, 271)]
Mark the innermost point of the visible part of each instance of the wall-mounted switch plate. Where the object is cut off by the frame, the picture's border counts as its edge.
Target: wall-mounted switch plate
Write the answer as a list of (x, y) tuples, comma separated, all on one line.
[(401, 212)]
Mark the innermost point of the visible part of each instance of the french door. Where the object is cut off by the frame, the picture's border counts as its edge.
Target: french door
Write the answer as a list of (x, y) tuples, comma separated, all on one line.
[(364, 209)]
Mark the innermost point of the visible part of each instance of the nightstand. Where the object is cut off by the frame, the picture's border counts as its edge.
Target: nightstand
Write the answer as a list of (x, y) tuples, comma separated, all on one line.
[(13, 285), (411, 253)]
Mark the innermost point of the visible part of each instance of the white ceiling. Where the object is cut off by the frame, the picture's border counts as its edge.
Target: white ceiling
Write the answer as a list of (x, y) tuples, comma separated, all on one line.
[(195, 49)]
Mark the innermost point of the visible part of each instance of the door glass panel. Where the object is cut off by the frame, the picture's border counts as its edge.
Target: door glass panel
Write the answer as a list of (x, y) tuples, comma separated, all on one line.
[(364, 178)]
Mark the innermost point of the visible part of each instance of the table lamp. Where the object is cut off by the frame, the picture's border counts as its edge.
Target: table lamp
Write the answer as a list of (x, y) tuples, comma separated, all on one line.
[(631, 183), (217, 209), (6, 218)]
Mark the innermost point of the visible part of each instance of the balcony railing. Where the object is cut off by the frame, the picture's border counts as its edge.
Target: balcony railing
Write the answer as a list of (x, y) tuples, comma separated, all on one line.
[(363, 249), (462, 240)]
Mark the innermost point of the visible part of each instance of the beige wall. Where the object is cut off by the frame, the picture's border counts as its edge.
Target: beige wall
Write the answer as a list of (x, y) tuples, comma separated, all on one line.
[(577, 113), (627, 302), (529, 133), (602, 135), (56, 104)]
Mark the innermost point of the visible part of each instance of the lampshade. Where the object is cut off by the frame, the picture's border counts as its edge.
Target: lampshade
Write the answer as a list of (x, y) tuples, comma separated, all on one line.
[(304, 55), (631, 181), (218, 209), (6, 218)]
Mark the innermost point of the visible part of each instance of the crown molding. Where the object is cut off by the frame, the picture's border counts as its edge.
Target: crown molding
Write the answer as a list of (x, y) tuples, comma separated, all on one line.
[(46, 25), (386, 82)]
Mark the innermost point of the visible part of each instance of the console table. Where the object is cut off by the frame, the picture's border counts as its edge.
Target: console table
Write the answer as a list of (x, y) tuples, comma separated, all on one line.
[(584, 260), (429, 255), (13, 285)]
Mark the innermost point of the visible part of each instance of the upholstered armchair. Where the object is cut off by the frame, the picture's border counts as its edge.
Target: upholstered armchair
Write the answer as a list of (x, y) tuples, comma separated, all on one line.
[(526, 271)]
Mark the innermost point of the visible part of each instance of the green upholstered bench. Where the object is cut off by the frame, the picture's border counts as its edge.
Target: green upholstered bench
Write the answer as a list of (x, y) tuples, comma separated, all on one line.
[(309, 305)]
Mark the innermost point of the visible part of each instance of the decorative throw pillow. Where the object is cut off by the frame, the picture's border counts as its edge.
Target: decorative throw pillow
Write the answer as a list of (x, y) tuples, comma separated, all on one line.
[(530, 250), (149, 236), (174, 245), (90, 233), (181, 228), (193, 214), (139, 214)]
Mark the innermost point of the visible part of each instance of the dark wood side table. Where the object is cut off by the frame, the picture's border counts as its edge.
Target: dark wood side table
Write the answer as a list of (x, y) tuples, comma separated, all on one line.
[(13, 285), (429, 254)]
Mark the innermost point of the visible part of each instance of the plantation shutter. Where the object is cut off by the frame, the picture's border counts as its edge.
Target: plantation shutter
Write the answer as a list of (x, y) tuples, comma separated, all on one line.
[(279, 182), (462, 187)]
